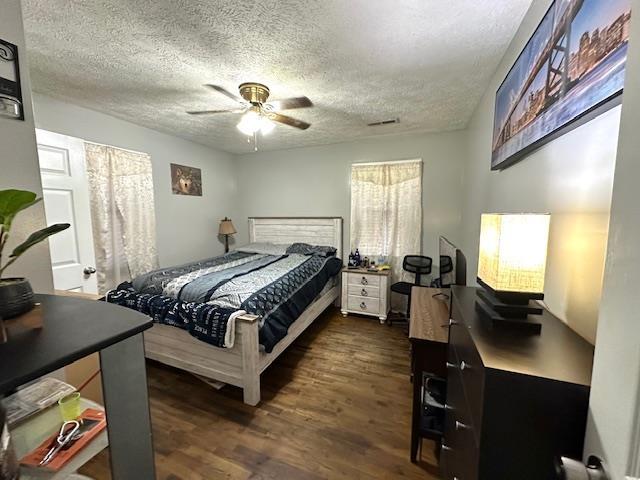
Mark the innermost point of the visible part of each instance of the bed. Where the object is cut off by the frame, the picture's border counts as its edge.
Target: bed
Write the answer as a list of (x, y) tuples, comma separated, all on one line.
[(256, 342)]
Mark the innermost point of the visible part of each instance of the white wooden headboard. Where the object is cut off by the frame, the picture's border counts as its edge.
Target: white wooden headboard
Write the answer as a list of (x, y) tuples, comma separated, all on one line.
[(312, 230)]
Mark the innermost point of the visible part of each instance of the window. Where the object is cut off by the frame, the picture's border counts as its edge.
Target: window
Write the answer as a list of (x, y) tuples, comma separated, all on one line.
[(386, 210)]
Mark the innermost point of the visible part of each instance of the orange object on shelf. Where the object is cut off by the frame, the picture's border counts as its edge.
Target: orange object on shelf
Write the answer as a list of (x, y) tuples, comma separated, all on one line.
[(93, 422)]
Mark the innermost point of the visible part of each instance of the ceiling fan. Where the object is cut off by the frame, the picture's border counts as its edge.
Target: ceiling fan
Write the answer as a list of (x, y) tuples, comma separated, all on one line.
[(258, 114)]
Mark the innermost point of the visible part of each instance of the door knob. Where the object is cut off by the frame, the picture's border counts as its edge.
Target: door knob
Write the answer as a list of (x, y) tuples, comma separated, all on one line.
[(569, 469), (89, 270)]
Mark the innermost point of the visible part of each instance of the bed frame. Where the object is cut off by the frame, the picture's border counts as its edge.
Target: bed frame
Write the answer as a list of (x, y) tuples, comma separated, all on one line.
[(242, 365)]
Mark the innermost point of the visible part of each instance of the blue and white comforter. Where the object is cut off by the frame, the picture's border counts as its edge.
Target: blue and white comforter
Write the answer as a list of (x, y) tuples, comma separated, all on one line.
[(206, 297)]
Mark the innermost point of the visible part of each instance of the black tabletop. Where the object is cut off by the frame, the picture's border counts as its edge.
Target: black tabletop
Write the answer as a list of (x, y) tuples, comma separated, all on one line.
[(73, 328)]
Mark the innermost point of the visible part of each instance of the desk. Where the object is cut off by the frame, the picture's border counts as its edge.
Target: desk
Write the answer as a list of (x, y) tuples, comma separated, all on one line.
[(429, 335), (73, 329)]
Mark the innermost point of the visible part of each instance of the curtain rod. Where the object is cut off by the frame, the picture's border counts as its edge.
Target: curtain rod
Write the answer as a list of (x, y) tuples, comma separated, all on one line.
[(119, 148), (386, 163)]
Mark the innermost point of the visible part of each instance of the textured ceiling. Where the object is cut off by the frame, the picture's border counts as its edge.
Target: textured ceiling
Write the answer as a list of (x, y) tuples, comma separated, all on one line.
[(424, 61)]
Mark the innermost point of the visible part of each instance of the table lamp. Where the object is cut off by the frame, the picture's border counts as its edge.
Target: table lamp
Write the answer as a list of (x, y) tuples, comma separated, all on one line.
[(511, 267), (226, 229)]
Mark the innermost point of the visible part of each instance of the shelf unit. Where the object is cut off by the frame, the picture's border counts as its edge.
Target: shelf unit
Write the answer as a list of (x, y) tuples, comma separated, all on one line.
[(30, 433), (433, 407)]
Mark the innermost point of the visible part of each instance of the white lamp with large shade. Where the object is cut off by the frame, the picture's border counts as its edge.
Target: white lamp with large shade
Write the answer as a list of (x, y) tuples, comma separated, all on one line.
[(511, 268)]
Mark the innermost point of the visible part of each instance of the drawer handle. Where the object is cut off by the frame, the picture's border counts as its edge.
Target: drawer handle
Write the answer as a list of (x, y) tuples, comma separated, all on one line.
[(364, 281), (464, 366), (363, 306), (461, 426), (364, 293), (446, 448), (452, 322), (451, 365)]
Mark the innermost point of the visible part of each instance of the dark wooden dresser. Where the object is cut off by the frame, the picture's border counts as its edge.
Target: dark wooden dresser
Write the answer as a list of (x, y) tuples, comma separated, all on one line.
[(514, 401)]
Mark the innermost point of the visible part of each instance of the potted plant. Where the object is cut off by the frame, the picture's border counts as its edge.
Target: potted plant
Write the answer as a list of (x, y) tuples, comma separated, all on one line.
[(16, 296)]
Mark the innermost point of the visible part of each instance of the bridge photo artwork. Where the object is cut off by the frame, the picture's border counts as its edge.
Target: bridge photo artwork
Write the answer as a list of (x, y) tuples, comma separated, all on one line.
[(571, 70)]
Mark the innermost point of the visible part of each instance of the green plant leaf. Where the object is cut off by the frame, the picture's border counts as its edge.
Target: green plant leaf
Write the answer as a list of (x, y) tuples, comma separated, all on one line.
[(14, 201), (37, 237)]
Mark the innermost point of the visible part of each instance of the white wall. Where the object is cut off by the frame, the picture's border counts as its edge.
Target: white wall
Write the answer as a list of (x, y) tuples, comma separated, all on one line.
[(613, 431), (570, 177), (314, 181), (187, 226), (19, 162)]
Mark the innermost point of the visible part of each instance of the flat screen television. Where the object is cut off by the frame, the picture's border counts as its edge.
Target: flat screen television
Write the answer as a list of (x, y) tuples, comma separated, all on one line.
[(453, 264)]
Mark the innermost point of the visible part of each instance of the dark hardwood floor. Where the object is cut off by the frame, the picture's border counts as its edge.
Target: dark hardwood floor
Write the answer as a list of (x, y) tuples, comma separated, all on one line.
[(335, 405)]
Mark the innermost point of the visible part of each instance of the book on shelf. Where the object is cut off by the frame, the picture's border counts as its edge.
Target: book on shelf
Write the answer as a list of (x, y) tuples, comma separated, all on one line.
[(92, 422), (35, 397)]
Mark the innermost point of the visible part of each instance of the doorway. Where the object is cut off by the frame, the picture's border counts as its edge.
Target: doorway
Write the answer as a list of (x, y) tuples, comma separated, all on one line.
[(66, 200), (106, 194)]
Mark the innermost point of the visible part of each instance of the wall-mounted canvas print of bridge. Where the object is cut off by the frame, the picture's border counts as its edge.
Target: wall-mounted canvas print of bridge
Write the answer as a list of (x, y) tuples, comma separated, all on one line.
[(572, 68)]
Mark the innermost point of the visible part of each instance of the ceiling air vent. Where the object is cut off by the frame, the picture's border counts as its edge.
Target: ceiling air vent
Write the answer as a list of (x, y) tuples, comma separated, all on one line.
[(383, 122)]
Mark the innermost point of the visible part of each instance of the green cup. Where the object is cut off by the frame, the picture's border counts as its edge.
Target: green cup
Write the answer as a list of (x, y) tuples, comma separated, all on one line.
[(70, 406)]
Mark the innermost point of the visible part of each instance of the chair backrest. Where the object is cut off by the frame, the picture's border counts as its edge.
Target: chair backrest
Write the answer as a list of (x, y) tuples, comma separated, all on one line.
[(418, 264)]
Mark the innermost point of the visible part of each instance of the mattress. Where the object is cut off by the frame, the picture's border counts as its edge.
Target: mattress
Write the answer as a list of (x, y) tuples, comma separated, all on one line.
[(205, 297)]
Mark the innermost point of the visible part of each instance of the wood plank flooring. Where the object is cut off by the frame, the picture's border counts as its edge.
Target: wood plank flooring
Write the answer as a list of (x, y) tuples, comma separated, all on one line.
[(335, 405)]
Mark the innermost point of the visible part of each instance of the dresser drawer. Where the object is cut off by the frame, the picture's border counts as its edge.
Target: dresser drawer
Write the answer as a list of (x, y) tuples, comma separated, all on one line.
[(470, 368), (363, 291), (460, 462), (363, 304), (460, 440), (363, 279)]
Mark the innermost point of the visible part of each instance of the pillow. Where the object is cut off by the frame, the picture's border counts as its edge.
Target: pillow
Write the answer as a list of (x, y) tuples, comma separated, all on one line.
[(306, 249), (265, 248)]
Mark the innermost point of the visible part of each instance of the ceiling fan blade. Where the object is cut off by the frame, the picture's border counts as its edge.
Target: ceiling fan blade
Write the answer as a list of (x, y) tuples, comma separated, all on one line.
[(292, 122), (291, 103), (226, 93), (211, 112)]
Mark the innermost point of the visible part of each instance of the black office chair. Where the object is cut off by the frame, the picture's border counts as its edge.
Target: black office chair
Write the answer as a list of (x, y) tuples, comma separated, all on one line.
[(446, 267), (417, 264)]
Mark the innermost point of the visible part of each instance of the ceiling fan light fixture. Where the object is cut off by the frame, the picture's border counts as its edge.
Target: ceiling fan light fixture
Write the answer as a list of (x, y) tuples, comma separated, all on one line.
[(266, 126), (250, 123), (253, 122)]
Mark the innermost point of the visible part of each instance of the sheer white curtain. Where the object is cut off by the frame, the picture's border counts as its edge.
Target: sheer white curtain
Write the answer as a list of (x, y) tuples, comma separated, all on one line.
[(122, 213), (386, 211)]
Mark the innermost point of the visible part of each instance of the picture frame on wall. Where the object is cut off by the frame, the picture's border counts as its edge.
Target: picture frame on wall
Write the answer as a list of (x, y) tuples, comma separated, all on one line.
[(10, 89), (571, 70), (186, 180)]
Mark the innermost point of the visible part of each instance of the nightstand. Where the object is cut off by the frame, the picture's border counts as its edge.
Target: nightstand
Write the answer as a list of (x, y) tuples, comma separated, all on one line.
[(366, 292)]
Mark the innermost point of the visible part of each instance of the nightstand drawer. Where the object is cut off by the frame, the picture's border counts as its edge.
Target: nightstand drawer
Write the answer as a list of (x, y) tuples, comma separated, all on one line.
[(363, 279), (363, 291), (363, 304)]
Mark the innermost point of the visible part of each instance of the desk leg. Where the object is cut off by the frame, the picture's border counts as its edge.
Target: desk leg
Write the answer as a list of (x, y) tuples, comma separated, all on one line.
[(415, 411), (126, 397)]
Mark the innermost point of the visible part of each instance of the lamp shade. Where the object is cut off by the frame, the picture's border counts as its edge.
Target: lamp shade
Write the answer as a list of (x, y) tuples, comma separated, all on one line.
[(226, 227), (513, 252)]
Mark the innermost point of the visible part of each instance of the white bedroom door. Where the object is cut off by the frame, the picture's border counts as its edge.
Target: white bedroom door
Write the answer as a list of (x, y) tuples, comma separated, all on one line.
[(66, 200)]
